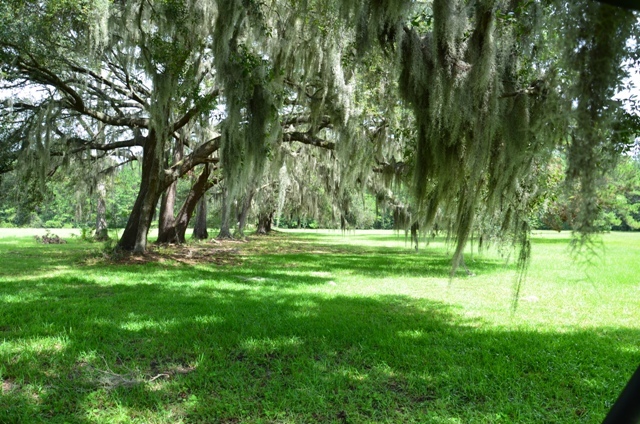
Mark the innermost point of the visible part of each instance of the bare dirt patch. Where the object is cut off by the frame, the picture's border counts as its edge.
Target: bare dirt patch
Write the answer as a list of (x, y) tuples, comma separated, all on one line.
[(225, 252), (8, 386)]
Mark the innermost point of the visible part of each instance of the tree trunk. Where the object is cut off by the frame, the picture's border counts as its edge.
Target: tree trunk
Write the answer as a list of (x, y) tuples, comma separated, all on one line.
[(225, 232), (415, 228), (344, 225), (134, 237), (196, 194), (176, 233), (200, 228), (242, 217), (264, 223), (166, 221), (101, 214)]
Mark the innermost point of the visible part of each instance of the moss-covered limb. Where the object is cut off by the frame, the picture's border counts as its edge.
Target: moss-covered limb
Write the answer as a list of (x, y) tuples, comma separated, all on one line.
[(306, 138), (201, 154), (320, 123), (595, 58), (84, 144), (474, 141), (39, 73), (201, 105), (126, 90)]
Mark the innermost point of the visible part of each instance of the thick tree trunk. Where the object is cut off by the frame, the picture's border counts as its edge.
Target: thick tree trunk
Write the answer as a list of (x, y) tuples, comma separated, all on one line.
[(200, 228), (101, 214), (225, 232), (166, 221), (134, 237), (264, 223), (242, 216)]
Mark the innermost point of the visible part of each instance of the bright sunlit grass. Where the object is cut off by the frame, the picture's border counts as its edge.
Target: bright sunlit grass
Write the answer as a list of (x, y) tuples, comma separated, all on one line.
[(314, 326)]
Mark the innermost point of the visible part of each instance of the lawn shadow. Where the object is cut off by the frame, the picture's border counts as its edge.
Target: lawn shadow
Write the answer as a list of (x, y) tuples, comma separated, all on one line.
[(428, 264), (292, 252), (378, 261), (221, 353)]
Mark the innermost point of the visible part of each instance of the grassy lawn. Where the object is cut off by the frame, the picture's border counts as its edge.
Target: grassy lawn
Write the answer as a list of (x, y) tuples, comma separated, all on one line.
[(305, 327)]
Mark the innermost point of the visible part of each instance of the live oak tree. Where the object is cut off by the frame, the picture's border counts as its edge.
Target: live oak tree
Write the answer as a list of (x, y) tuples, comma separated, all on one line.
[(136, 70)]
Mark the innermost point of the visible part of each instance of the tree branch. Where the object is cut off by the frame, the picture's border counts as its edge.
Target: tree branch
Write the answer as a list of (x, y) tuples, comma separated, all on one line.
[(306, 138), (533, 89), (120, 90), (199, 156), (200, 105), (74, 100)]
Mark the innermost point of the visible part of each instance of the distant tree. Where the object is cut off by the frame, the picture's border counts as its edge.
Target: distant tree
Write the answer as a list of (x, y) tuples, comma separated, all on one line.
[(618, 198)]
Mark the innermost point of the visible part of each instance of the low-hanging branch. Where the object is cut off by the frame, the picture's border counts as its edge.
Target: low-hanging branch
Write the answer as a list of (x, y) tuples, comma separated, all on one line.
[(397, 168), (306, 138), (202, 154), (86, 144), (195, 110)]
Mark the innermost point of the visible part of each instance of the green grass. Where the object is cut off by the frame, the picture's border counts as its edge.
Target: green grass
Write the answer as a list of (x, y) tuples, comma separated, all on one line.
[(306, 327)]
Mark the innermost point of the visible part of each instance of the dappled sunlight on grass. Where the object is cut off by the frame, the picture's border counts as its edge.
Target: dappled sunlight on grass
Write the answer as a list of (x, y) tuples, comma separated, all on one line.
[(353, 333), (41, 345)]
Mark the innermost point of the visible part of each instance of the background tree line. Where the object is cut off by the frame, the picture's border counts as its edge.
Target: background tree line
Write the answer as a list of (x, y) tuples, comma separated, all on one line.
[(65, 204)]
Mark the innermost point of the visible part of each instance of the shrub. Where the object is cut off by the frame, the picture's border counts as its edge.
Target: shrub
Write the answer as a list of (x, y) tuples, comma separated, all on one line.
[(53, 223)]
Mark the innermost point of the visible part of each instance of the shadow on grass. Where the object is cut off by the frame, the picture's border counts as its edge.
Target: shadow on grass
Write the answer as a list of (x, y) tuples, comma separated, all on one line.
[(378, 261), (78, 351), (379, 264)]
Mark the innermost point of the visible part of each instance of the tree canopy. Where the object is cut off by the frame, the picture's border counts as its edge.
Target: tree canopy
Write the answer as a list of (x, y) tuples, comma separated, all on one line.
[(448, 110)]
